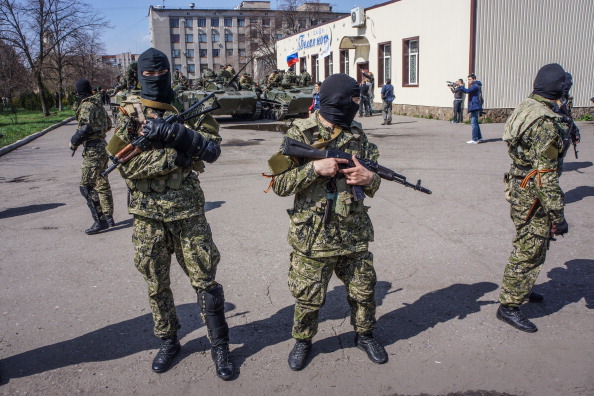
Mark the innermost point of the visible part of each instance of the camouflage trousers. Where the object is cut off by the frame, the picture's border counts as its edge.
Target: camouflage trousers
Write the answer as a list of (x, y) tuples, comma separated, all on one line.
[(308, 282), (154, 243), (529, 245), (95, 161)]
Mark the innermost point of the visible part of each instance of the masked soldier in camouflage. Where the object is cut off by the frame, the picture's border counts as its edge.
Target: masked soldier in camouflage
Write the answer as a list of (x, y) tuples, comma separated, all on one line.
[(168, 207), (93, 125), (329, 232), (535, 139)]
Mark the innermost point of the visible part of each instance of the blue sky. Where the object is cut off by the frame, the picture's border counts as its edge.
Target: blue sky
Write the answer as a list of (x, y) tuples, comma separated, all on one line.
[(129, 18)]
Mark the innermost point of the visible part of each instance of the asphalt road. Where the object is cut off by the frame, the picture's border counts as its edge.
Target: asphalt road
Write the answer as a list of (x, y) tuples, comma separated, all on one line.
[(75, 317)]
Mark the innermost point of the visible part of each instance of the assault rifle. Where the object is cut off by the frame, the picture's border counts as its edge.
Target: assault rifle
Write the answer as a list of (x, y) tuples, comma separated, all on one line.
[(141, 143), (573, 131), (295, 148), (237, 74)]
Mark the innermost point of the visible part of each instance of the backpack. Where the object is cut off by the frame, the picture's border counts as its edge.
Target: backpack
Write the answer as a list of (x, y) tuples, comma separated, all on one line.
[(480, 97)]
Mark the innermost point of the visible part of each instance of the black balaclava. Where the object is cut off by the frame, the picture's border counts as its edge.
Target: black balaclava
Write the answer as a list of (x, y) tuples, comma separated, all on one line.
[(83, 88), (336, 99), (157, 88), (549, 81), (568, 84)]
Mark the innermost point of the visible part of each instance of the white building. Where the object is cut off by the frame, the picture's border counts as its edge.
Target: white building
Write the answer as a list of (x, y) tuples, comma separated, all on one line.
[(420, 44)]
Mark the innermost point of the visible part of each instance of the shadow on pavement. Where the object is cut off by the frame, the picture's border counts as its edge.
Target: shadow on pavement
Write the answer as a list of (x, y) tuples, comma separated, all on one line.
[(108, 343), (565, 286), (574, 166), (213, 205), (29, 209), (578, 193)]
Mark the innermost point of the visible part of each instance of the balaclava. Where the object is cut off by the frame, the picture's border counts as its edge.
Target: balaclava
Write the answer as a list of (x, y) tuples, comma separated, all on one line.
[(336, 99), (157, 88), (568, 84), (549, 81), (83, 88)]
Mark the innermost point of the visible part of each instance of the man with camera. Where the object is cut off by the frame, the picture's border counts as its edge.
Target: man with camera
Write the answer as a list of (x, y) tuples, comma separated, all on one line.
[(475, 106), (459, 97)]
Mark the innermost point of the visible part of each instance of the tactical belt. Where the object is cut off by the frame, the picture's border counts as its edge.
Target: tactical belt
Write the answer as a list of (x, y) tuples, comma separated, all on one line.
[(93, 143)]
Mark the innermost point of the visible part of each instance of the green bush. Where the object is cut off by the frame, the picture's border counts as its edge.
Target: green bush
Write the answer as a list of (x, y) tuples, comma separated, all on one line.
[(585, 117)]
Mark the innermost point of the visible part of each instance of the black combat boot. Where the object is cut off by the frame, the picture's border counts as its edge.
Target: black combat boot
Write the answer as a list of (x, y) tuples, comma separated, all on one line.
[(109, 220), (99, 225), (170, 347), (212, 305), (375, 352), (535, 297), (298, 355), (514, 317)]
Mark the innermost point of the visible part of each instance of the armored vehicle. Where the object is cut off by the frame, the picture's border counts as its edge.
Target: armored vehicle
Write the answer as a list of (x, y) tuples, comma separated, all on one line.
[(280, 103)]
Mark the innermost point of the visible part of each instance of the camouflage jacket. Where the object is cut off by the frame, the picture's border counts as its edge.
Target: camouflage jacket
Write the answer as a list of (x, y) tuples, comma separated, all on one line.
[(350, 229), (159, 189), (534, 136), (90, 112)]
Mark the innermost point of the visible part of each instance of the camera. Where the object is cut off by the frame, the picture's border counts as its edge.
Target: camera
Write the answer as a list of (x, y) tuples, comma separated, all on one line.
[(451, 84)]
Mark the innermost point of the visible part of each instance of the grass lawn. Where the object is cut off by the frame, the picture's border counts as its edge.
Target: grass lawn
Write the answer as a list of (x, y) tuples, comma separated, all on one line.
[(27, 123)]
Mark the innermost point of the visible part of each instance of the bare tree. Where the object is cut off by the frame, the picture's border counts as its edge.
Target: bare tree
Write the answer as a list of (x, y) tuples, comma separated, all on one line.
[(69, 22), (14, 77), (30, 27)]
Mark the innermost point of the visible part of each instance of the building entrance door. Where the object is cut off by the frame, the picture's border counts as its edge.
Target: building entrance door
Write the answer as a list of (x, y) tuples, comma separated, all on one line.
[(360, 68)]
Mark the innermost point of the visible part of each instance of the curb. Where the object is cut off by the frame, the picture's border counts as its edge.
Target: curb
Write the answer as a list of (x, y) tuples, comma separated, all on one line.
[(22, 142)]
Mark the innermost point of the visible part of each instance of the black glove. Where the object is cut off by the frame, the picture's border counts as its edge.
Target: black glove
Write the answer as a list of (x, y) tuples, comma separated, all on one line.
[(560, 228), (188, 141), (157, 129), (80, 135), (183, 160)]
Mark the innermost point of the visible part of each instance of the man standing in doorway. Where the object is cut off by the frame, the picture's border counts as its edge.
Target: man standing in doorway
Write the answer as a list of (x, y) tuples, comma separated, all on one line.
[(475, 106)]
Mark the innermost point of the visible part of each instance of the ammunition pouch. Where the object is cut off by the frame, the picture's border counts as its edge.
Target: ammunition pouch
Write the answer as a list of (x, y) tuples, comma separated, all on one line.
[(212, 306), (171, 181)]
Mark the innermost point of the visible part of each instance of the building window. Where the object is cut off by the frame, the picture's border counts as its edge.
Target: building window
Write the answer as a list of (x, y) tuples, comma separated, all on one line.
[(203, 53), (410, 62), (201, 22), (328, 66), (344, 62), (214, 21), (175, 53), (240, 21), (174, 23), (202, 37), (177, 67), (315, 70), (215, 36), (228, 22), (266, 22), (203, 67), (302, 64), (384, 63), (278, 36), (189, 53), (228, 37), (188, 23), (216, 52), (189, 38), (229, 52), (241, 38), (191, 68), (302, 23), (242, 52), (175, 38)]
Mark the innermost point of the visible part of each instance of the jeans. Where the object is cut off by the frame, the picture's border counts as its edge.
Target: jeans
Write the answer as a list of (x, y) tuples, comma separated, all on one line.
[(476, 130), (458, 104), (364, 106), (387, 111)]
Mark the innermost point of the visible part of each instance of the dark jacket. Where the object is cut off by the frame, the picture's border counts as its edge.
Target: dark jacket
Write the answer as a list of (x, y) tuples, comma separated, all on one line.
[(473, 92), (388, 93), (364, 90), (458, 94)]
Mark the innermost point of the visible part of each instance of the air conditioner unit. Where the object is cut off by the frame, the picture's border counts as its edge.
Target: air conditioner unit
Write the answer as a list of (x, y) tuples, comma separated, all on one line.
[(358, 17)]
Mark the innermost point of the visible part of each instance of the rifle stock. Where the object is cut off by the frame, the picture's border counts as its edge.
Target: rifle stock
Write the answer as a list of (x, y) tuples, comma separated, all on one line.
[(295, 148)]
